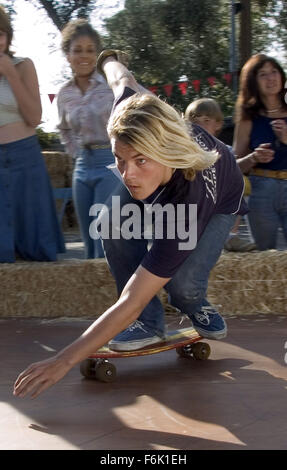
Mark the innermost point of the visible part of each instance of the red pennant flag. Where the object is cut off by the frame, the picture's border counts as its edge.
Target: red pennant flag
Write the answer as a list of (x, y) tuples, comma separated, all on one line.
[(227, 77), (183, 87), (211, 81), (153, 88), (51, 96), (168, 89), (196, 85)]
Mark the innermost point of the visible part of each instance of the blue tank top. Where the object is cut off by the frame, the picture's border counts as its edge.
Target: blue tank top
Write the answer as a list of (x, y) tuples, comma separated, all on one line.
[(262, 133)]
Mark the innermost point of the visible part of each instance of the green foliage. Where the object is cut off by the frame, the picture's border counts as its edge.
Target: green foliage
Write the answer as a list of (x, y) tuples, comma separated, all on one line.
[(171, 39), (47, 140), (277, 13), (60, 12)]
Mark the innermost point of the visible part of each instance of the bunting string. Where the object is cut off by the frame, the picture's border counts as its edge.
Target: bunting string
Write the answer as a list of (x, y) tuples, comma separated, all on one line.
[(195, 84), (182, 86)]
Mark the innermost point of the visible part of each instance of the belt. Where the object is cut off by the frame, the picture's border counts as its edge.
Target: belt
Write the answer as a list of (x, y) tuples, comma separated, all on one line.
[(278, 174), (96, 146)]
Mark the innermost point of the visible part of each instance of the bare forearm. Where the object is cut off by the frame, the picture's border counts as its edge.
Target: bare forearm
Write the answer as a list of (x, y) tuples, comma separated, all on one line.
[(246, 163), (29, 106), (261, 154), (139, 290), (108, 325), (118, 76)]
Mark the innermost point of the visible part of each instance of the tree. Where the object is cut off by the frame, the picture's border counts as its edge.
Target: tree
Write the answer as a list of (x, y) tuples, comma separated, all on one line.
[(174, 38), (63, 11), (278, 17), (254, 33), (245, 36)]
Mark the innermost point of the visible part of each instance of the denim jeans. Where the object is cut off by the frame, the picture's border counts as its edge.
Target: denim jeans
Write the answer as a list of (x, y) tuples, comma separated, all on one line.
[(268, 210), (187, 289), (93, 183)]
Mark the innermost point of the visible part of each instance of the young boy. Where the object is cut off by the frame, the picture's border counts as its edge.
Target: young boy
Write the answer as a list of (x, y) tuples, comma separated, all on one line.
[(207, 113)]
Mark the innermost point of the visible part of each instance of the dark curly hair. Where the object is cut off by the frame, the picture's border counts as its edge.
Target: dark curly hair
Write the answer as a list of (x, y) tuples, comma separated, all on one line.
[(77, 28)]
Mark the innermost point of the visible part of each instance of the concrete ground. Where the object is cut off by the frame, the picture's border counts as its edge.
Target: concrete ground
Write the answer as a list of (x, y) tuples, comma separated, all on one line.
[(237, 399)]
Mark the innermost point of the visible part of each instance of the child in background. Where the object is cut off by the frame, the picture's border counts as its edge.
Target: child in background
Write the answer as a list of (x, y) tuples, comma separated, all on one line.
[(207, 113)]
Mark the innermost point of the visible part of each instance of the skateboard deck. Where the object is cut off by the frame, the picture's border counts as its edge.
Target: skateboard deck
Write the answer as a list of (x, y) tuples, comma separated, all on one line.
[(172, 340), (186, 341)]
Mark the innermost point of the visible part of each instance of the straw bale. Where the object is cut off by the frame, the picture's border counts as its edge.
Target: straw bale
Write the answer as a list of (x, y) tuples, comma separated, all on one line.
[(76, 288), (250, 282), (243, 283), (60, 167)]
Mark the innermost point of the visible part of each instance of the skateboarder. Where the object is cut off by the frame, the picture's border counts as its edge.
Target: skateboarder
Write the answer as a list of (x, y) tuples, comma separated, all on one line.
[(163, 165)]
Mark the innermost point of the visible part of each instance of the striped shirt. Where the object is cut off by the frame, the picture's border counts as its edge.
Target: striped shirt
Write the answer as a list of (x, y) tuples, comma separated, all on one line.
[(84, 117)]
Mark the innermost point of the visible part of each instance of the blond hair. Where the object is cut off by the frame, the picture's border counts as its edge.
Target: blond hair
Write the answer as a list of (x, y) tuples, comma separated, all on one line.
[(203, 107), (155, 129)]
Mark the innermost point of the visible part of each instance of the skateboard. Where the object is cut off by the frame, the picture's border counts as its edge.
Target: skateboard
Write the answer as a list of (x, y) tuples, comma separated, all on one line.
[(185, 341)]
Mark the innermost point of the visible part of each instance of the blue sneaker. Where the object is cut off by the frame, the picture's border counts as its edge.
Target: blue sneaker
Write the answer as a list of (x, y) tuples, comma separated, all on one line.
[(208, 323), (135, 336)]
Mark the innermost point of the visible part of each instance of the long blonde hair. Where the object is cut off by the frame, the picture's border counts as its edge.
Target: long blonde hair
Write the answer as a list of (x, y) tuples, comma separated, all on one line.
[(155, 129)]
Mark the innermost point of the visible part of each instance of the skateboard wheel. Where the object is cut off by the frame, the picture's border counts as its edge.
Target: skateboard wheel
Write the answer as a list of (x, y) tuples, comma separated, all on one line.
[(87, 369), (184, 351), (106, 372), (201, 351)]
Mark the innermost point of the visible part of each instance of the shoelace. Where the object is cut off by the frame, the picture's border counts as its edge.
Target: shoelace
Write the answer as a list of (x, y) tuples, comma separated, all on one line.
[(136, 324), (203, 315)]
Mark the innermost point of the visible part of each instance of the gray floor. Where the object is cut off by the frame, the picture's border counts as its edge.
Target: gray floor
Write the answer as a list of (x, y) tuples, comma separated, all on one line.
[(237, 399)]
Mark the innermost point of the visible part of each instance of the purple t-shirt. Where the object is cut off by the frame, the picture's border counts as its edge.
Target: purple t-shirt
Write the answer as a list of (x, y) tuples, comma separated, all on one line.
[(215, 190)]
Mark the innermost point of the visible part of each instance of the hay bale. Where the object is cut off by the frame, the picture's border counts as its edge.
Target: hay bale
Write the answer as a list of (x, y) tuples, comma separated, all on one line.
[(72, 288), (240, 283), (250, 282), (60, 167)]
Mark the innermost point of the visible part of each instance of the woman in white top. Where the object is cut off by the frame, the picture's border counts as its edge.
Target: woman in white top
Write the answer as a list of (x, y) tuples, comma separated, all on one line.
[(29, 224)]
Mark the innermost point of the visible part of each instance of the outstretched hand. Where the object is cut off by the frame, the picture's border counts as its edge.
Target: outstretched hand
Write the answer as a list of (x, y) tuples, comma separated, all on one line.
[(40, 376)]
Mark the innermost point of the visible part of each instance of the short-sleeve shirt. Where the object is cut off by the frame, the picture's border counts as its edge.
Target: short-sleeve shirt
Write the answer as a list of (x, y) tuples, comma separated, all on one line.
[(215, 190)]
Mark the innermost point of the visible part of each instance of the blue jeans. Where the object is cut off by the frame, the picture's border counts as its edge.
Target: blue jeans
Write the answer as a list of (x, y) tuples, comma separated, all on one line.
[(187, 289), (93, 183), (268, 210)]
